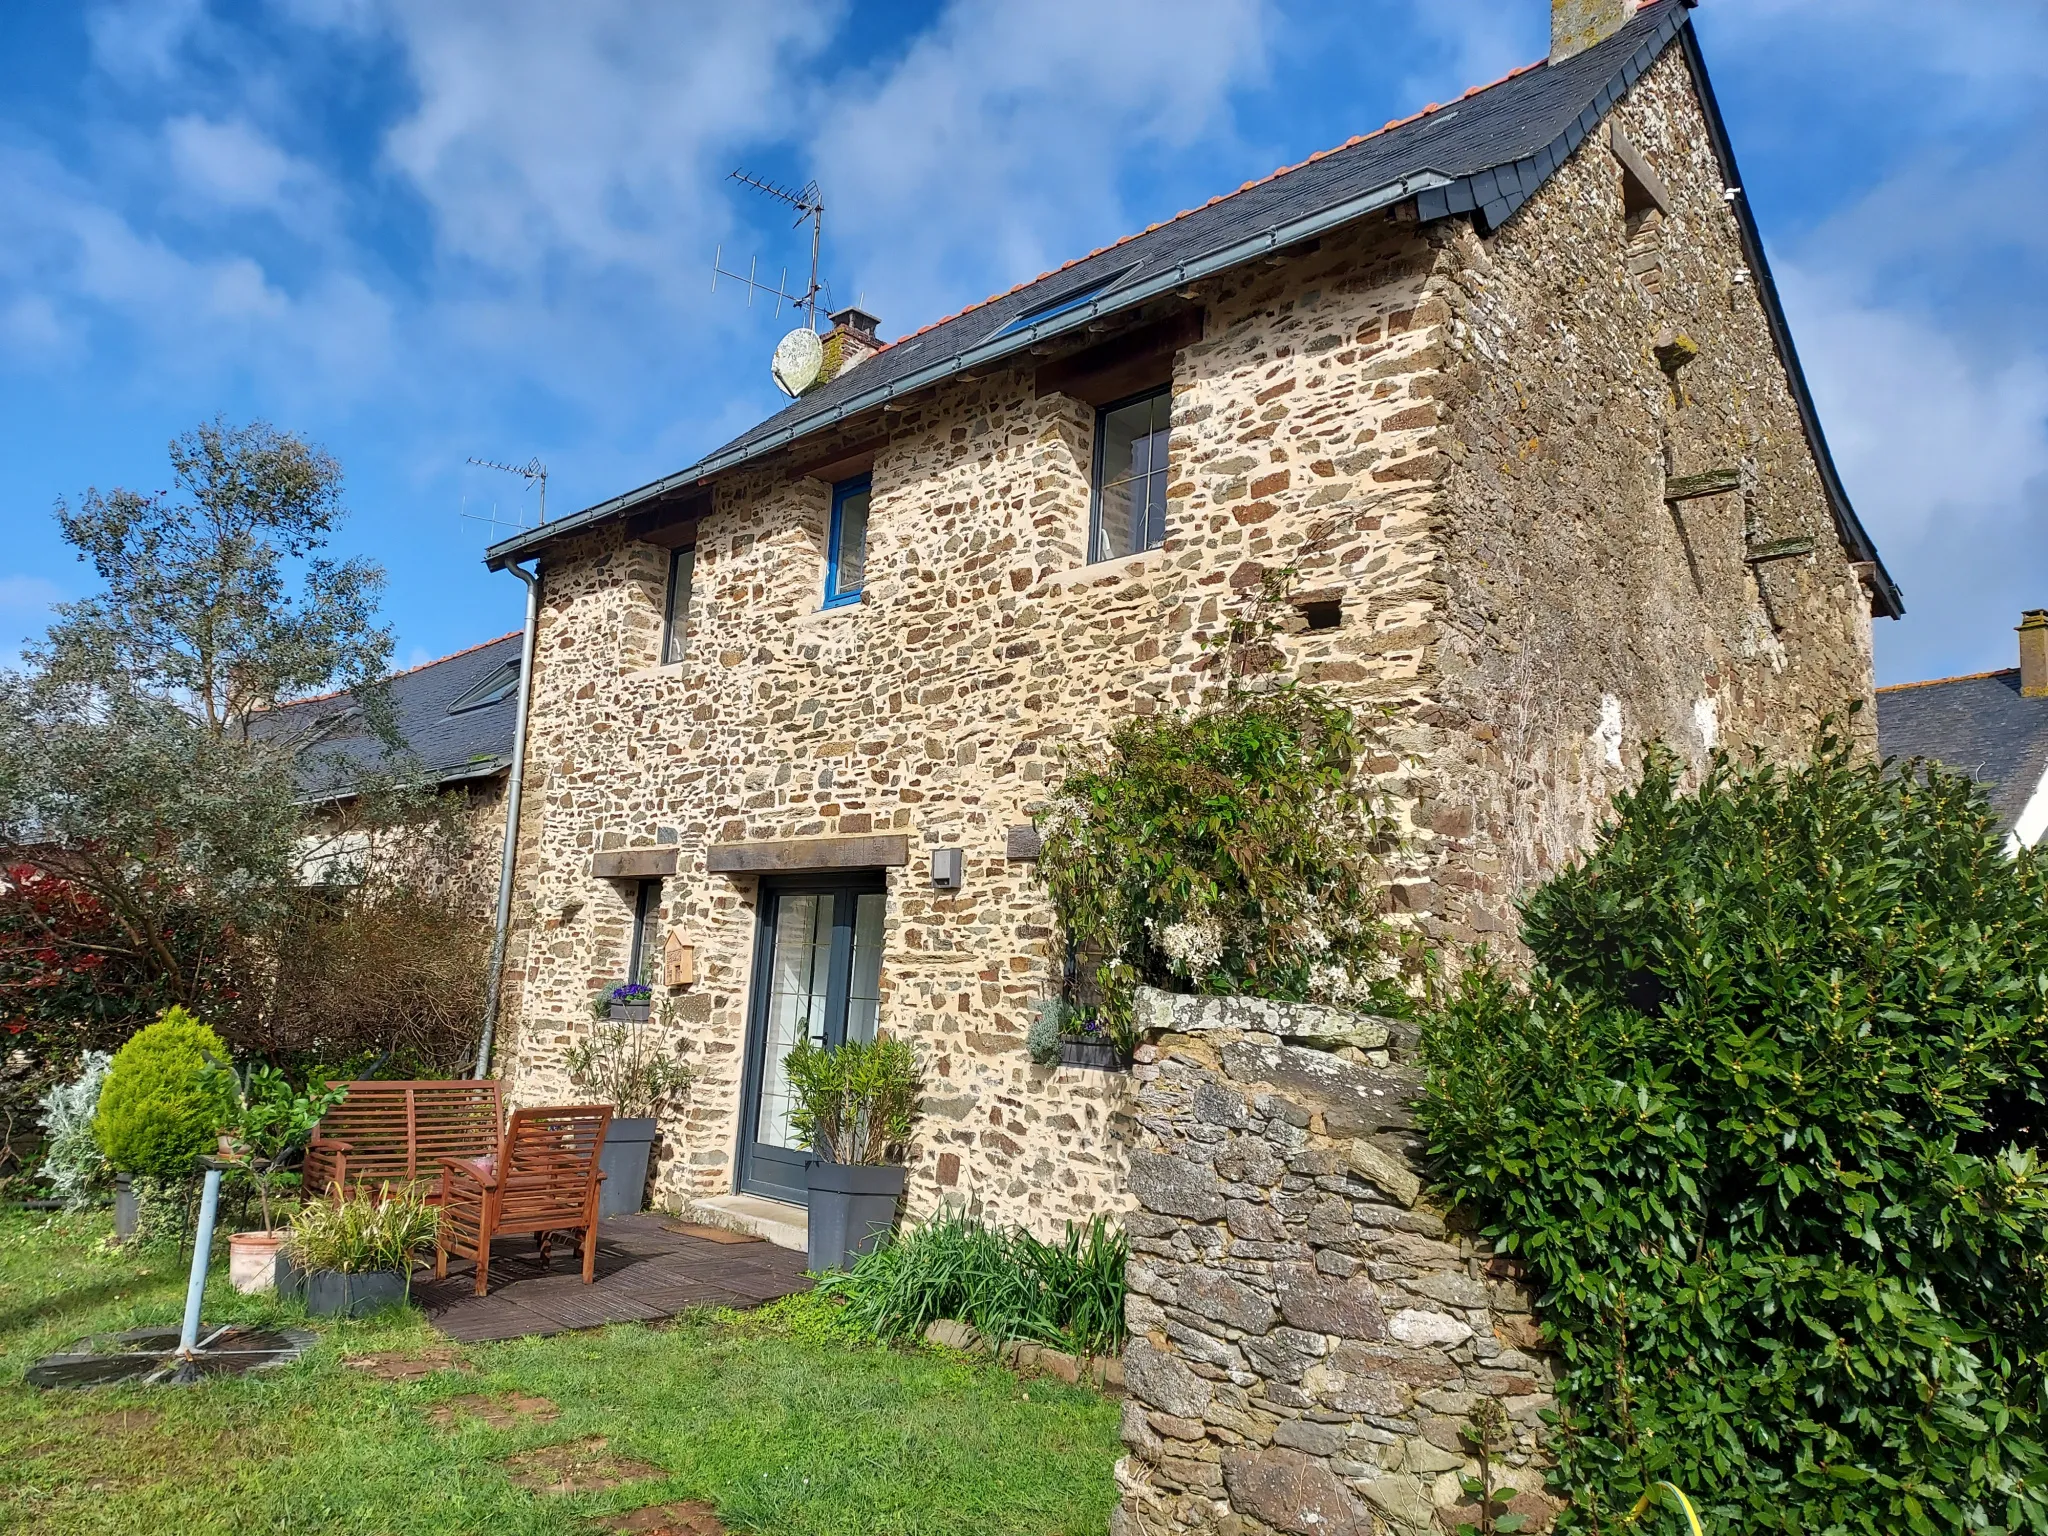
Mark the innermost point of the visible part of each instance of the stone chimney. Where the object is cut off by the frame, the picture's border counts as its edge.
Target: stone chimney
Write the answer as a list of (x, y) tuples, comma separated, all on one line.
[(850, 342), (1576, 25), (2034, 654)]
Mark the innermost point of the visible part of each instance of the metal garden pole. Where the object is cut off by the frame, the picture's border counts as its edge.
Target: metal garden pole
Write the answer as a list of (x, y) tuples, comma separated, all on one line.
[(202, 1252)]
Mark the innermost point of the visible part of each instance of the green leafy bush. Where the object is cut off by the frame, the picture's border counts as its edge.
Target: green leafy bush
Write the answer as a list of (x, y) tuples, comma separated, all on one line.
[(166, 1098), (1228, 851), (1764, 1124), (1004, 1281), (854, 1103)]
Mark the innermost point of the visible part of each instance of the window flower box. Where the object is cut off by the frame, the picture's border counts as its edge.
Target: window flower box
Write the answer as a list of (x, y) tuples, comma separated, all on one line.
[(629, 1003)]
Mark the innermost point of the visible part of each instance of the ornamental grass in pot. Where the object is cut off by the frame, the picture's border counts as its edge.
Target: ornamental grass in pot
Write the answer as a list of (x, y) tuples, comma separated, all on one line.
[(355, 1256), (853, 1106), (629, 1066)]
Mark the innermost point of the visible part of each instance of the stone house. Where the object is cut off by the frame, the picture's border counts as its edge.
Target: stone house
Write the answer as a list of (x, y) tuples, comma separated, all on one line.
[(455, 716), (1991, 725), (1505, 386)]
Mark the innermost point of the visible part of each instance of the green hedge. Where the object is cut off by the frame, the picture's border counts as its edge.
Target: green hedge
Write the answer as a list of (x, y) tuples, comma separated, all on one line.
[(1763, 1124)]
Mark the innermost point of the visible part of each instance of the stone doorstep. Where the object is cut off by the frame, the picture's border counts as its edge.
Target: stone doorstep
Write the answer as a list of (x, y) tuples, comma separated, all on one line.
[(786, 1226), (1105, 1371)]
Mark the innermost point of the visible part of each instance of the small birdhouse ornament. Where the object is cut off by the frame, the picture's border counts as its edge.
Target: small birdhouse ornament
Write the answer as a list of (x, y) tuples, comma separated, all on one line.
[(678, 962)]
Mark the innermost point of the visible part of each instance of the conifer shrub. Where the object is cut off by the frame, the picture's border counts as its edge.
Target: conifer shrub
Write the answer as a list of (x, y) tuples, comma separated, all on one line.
[(1763, 1123), (167, 1096)]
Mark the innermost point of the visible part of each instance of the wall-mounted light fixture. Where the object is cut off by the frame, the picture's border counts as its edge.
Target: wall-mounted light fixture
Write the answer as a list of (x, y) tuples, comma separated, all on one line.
[(946, 868)]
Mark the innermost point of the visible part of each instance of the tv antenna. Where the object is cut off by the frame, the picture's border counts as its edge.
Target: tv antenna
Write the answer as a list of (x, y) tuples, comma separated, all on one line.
[(532, 472), (809, 204)]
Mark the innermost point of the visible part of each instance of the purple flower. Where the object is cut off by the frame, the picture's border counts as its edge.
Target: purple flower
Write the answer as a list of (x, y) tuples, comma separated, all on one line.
[(632, 992)]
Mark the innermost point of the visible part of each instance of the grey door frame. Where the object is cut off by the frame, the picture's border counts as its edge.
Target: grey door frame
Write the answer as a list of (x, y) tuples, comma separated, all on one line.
[(777, 1173)]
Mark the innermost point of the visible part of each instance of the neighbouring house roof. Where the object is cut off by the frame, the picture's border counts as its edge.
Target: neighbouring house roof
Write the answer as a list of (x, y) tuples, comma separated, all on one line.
[(1979, 725), (1484, 154), (456, 717)]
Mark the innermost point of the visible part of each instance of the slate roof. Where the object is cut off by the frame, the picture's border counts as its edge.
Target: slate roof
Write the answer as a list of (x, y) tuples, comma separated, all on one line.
[(1484, 154), (468, 744), (1978, 725)]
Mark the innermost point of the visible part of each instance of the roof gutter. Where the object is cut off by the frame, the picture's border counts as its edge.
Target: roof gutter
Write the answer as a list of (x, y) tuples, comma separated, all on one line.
[(1129, 296), (509, 855)]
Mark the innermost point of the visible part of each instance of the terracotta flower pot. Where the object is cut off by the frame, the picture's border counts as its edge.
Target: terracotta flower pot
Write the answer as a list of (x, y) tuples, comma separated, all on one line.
[(252, 1260)]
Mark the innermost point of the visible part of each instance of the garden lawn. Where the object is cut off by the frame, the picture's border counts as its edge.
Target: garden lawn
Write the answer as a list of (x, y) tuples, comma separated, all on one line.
[(784, 1428)]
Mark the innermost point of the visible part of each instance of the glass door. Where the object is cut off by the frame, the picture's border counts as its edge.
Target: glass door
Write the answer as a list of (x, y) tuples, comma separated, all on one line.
[(817, 976)]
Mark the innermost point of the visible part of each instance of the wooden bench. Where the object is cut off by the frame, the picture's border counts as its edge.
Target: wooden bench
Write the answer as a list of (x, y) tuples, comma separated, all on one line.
[(543, 1179), (400, 1132)]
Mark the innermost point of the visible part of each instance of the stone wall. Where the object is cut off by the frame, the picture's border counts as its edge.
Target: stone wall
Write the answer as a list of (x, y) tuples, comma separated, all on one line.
[(1309, 1336), (1582, 614)]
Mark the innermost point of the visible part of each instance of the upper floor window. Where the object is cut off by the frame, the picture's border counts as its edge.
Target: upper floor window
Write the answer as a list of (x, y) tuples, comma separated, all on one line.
[(846, 551), (1128, 513), (675, 618)]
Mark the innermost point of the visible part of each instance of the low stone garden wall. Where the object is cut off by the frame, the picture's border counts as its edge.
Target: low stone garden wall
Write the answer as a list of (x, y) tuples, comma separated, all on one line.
[(1310, 1338)]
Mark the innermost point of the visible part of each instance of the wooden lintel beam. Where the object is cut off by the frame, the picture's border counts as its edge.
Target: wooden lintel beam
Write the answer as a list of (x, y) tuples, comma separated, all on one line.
[(885, 850), (1715, 482), (1778, 549)]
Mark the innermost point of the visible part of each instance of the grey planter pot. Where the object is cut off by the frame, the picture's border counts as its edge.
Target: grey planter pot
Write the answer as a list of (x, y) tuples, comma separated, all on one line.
[(329, 1293), (623, 1157), (127, 1207), (1091, 1056), (853, 1207), (628, 1013), (291, 1280)]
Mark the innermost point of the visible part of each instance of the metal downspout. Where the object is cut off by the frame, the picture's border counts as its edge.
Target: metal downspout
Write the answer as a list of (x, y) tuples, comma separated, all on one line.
[(506, 861)]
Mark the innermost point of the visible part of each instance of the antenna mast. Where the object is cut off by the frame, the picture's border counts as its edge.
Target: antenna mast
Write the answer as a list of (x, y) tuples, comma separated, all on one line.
[(809, 203), (531, 471)]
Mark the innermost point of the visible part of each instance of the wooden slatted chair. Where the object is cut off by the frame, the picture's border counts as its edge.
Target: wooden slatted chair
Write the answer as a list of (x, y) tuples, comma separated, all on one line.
[(543, 1179), (400, 1131)]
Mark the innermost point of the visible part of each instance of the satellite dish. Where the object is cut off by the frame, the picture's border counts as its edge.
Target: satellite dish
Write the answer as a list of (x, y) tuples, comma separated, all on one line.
[(798, 358)]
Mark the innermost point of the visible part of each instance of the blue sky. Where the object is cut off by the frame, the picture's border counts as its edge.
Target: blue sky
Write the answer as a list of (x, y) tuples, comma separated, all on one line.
[(419, 230)]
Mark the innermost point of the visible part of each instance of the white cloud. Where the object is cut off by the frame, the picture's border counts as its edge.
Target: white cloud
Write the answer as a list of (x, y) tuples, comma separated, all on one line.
[(999, 142), (142, 39), (1926, 433), (595, 132), (71, 258), (232, 163)]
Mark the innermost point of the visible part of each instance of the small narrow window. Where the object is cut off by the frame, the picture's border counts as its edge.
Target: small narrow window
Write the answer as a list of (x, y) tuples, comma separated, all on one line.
[(682, 568), (1129, 511), (645, 954), (846, 556)]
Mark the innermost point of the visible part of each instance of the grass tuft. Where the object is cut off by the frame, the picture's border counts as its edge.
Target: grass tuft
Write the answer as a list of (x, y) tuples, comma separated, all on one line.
[(1004, 1281)]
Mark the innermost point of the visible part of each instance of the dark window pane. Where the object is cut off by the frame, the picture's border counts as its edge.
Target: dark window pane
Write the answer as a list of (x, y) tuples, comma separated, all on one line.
[(850, 543), (681, 571), (1130, 490)]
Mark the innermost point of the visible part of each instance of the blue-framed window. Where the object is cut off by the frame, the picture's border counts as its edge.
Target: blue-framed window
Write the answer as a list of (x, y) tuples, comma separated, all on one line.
[(1127, 514), (846, 552)]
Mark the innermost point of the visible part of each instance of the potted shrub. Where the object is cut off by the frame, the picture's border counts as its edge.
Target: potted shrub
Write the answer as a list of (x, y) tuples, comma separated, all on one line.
[(354, 1256), (622, 1063), (628, 1003), (854, 1107), (274, 1124), (165, 1098)]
